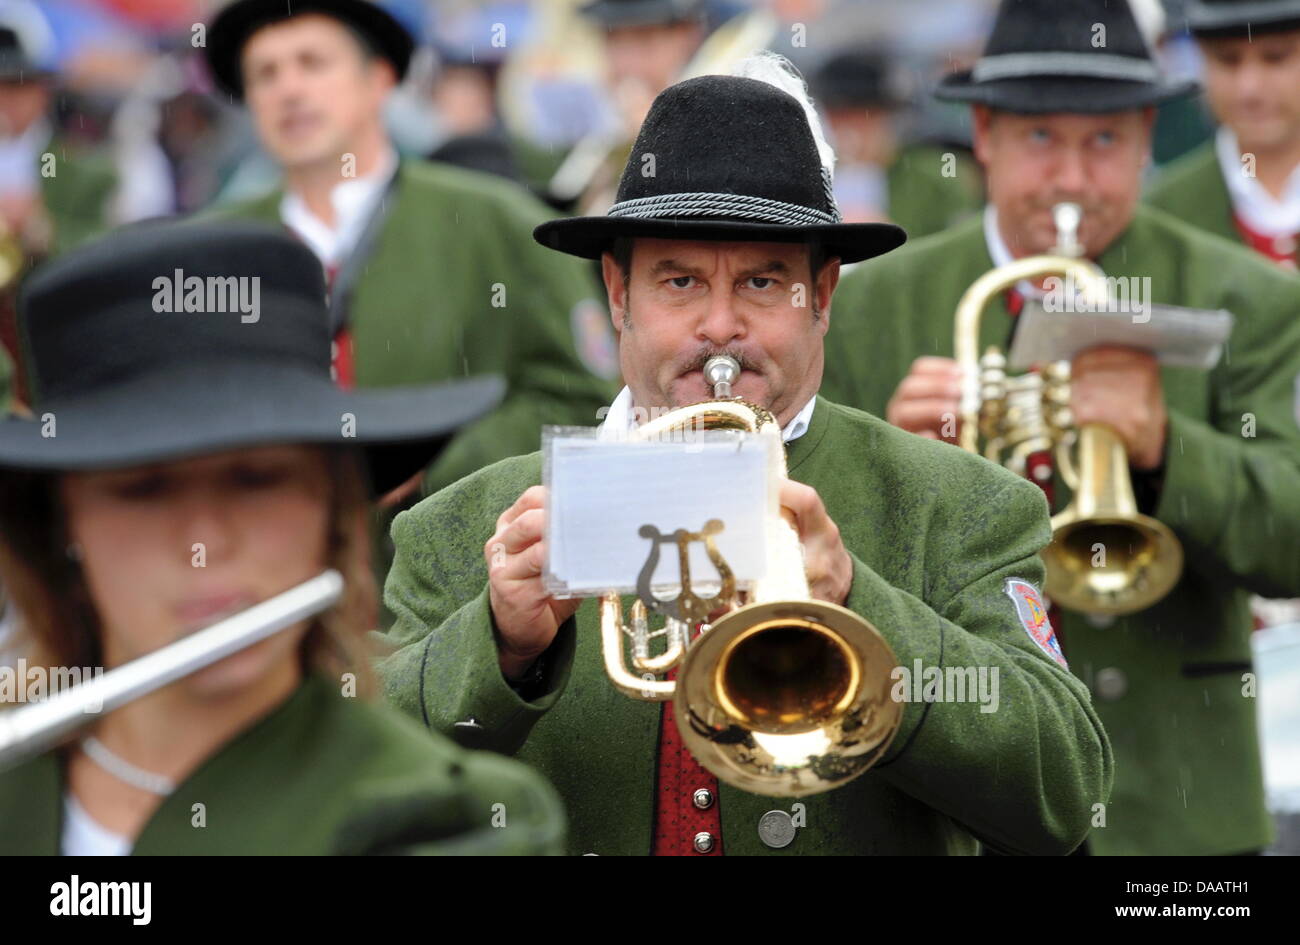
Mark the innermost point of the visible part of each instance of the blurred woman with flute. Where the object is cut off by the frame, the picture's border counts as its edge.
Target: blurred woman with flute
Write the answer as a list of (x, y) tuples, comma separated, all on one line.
[(188, 457)]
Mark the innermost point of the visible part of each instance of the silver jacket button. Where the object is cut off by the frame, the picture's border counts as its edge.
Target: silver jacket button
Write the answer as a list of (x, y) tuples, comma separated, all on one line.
[(703, 842), (702, 798), (776, 829), (1111, 683)]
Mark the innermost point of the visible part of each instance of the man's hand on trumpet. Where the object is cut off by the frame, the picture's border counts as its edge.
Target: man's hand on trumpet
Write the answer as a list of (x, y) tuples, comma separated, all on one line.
[(826, 561), (1121, 388), (927, 400), (526, 616)]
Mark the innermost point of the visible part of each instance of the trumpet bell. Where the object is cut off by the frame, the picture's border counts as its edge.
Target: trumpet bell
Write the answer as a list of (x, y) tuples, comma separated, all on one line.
[(788, 698), (1106, 558), (1110, 565)]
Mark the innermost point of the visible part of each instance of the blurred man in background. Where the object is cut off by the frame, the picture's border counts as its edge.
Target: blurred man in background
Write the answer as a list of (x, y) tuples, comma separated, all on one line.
[(1059, 119), (433, 271), (877, 176), (51, 196), (1245, 184)]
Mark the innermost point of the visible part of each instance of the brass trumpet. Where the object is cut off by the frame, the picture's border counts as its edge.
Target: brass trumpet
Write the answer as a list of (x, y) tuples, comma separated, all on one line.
[(1105, 559), (784, 695)]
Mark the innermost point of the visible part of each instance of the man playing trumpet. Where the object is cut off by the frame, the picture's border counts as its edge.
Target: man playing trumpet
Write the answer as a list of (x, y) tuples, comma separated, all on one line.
[(733, 246), (1063, 104)]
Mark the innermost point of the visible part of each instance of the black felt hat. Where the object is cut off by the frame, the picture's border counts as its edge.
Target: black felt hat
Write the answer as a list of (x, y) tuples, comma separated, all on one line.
[(613, 13), (237, 22), (724, 158), (26, 43), (1048, 56), (1241, 17), (859, 77), (165, 341)]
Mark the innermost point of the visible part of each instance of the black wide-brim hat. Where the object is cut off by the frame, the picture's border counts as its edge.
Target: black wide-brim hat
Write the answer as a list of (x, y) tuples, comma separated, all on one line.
[(22, 59), (724, 158), (1211, 18), (1086, 56), (120, 378), (859, 77), (241, 19), (616, 13)]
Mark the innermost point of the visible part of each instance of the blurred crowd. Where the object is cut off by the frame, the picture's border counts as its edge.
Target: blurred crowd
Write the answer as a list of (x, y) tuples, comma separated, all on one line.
[(545, 93)]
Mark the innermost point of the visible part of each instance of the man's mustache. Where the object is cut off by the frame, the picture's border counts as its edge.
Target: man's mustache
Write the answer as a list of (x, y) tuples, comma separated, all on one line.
[(1087, 208), (697, 361)]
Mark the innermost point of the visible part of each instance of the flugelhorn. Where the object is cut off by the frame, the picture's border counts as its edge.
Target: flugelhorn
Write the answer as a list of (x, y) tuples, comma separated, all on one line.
[(1105, 559), (31, 730), (783, 695)]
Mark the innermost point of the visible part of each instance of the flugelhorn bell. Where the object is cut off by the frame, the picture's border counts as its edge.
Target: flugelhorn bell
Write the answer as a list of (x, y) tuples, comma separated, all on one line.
[(1106, 558), (781, 695)]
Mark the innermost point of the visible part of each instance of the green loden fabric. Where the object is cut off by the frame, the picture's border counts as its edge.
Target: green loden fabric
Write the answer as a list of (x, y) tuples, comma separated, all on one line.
[(1188, 777), (422, 309), (322, 774), (931, 189), (75, 192), (933, 535), (76, 195), (1192, 189)]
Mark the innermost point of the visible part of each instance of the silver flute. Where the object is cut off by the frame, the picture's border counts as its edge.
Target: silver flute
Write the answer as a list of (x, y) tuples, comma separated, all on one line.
[(31, 730)]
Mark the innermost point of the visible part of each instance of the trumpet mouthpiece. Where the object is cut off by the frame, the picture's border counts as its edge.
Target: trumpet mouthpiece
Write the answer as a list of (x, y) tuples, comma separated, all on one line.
[(720, 372), (1067, 217)]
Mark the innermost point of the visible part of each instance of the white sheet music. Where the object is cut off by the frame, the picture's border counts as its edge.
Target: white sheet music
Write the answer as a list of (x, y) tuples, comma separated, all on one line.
[(1178, 336), (600, 494)]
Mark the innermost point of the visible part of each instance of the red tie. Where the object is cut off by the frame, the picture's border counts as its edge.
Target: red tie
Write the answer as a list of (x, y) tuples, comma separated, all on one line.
[(1015, 301), (341, 363), (678, 818)]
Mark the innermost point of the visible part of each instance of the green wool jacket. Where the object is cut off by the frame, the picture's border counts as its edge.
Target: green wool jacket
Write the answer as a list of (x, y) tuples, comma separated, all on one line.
[(1192, 189), (922, 200), (322, 774), (77, 195), (1180, 717), (453, 243), (933, 535)]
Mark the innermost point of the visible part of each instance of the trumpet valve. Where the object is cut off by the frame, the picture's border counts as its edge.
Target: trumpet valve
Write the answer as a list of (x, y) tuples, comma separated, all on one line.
[(993, 392), (1056, 397)]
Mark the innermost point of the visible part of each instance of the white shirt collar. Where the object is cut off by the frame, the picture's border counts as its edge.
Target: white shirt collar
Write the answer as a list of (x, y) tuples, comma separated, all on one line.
[(1000, 253), (1260, 210), (619, 418), (353, 199)]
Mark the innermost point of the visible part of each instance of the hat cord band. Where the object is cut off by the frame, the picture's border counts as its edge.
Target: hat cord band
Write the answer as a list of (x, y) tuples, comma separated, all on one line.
[(1209, 15), (722, 205), (1093, 65)]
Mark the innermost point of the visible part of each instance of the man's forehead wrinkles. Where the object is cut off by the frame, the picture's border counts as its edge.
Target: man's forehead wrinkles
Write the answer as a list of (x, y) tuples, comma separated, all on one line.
[(719, 258), (672, 265), (771, 265)]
